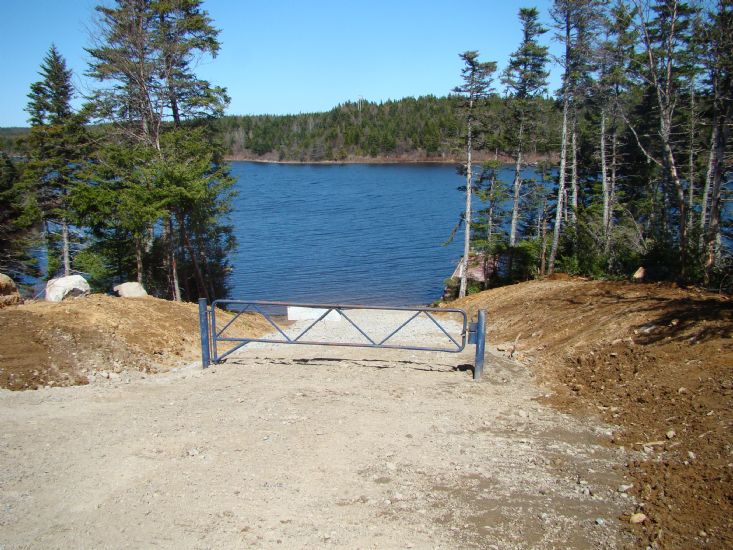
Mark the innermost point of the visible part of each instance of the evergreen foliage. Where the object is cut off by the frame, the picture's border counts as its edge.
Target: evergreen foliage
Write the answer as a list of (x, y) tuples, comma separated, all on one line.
[(640, 126), (19, 215), (410, 129), (57, 147), (157, 188), (645, 159)]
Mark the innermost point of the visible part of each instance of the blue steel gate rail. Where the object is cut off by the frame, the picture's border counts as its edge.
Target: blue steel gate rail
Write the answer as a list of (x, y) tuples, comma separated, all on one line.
[(211, 335)]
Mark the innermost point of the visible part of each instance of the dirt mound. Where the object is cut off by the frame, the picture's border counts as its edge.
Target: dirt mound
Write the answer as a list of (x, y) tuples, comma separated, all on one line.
[(62, 344), (655, 360)]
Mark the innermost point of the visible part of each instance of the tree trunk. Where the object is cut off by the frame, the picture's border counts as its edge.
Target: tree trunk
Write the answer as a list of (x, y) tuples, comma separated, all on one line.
[(691, 161), (713, 232), (65, 247), (139, 258), (614, 164), (712, 167), (467, 237), (560, 189), (200, 283), (543, 238), (574, 173), (517, 188), (173, 261), (605, 185), (679, 193)]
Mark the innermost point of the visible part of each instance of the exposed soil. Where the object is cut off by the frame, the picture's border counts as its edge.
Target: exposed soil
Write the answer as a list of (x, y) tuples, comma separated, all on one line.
[(600, 400), (304, 447), (655, 360), (72, 342)]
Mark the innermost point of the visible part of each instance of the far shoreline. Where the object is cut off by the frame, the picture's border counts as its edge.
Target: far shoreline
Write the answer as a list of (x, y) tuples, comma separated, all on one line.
[(503, 160)]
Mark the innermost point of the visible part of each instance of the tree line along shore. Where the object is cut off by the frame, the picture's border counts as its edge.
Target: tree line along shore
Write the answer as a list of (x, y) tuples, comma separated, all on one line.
[(632, 153)]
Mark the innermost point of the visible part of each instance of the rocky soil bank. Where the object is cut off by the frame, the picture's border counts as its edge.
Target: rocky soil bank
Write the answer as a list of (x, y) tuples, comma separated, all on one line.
[(655, 360)]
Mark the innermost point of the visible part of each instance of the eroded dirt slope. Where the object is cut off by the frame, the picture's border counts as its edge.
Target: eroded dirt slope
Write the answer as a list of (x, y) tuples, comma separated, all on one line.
[(62, 344), (657, 361)]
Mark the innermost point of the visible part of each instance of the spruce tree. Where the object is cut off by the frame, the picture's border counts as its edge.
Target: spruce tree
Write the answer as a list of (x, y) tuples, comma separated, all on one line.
[(477, 77), (150, 93), (19, 215), (57, 147), (525, 78)]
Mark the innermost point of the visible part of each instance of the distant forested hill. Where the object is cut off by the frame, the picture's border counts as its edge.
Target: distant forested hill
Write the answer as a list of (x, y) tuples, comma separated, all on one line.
[(10, 140), (410, 129)]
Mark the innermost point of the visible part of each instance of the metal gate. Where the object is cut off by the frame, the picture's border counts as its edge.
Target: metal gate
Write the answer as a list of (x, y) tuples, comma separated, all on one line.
[(212, 335)]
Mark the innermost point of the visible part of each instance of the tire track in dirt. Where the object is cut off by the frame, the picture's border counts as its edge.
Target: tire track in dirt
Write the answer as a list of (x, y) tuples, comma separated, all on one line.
[(307, 447)]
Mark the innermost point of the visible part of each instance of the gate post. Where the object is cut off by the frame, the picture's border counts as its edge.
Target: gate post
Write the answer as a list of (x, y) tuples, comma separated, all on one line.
[(204, 330), (480, 344)]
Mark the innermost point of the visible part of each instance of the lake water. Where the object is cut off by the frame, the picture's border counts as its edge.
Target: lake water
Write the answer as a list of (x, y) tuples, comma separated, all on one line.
[(358, 234)]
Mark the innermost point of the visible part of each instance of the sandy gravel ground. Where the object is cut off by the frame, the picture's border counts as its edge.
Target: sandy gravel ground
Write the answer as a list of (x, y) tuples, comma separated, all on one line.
[(308, 447)]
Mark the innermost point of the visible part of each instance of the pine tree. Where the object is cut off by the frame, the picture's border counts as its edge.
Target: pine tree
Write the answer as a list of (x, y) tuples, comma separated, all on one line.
[(614, 55), (475, 88), (144, 58), (719, 64), (576, 21), (57, 146), (525, 78), (19, 215)]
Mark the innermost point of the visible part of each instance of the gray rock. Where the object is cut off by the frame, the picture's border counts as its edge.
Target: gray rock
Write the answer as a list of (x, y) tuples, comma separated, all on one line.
[(66, 287), (130, 290)]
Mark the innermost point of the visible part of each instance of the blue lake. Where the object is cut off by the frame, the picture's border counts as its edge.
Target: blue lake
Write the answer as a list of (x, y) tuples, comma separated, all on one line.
[(359, 234)]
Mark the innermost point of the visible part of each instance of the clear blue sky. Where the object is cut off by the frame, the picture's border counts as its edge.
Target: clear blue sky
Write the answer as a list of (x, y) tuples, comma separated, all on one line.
[(288, 56)]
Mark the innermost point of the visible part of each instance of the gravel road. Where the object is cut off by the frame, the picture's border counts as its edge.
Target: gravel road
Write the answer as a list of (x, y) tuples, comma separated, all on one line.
[(309, 447)]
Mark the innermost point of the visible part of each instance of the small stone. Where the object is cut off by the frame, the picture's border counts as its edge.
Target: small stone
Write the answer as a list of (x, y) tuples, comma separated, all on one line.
[(691, 455), (637, 518), (624, 488), (600, 521), (682, 390), (671, 434), (703, 534)]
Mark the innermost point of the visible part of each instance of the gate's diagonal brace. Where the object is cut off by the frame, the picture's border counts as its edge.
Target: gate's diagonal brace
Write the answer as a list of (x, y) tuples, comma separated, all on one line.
[(399, 328), (314, 323), (437, 324), (353, 324)]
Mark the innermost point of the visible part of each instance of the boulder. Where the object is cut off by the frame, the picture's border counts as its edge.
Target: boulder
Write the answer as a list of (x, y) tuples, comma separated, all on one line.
[(9, 294), (639, 275), (130, 290), (66, 287)]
